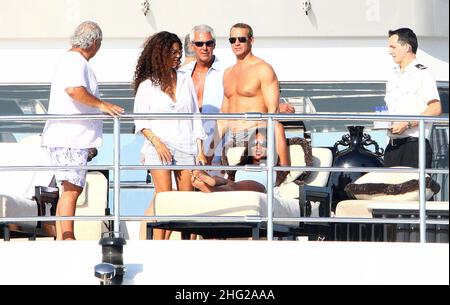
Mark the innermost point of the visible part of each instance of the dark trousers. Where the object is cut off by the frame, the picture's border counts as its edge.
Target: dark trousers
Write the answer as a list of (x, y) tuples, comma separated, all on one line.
[(405, 152)]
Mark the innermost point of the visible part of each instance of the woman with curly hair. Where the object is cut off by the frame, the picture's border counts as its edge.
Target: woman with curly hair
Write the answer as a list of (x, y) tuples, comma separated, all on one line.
[(161, 88)]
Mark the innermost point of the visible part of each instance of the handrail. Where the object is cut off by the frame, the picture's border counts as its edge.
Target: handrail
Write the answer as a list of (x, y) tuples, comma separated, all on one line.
[(270, 167), (251, 116), (254, 219)]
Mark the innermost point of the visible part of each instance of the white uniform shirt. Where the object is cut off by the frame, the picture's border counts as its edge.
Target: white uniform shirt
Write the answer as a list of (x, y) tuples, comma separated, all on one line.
[(72, 71), (212, 97), (408, 93), (181, 135)]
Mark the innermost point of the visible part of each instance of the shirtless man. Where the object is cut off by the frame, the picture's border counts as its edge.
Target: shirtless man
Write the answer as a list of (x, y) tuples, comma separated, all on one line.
[(251, 85)]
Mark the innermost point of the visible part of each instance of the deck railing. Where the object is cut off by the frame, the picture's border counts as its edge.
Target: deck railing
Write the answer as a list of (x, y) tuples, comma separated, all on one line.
[(270, 167)]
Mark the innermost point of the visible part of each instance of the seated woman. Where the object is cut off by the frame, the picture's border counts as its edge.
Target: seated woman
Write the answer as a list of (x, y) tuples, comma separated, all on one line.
[(240, 180)]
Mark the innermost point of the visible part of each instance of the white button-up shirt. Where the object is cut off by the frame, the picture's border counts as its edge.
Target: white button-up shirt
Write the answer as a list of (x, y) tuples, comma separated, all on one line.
[(181, 135), (212, 96), (408, 93)]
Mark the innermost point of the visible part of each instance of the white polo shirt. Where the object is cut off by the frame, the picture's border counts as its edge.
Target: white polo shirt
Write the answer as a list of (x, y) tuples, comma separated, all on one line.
[(212, 97), (408, 93), (72, 71), (181, 135)]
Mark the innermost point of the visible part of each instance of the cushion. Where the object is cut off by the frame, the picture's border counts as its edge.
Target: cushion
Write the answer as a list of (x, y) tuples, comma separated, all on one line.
[(322, 157), (234, 203), (363, 208), (22, 183), (300, 153), (18, 206), (92, 202), (390, 186)]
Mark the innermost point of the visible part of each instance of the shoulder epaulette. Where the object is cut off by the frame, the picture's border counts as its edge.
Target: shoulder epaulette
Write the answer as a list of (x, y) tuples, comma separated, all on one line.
[(421, 67)]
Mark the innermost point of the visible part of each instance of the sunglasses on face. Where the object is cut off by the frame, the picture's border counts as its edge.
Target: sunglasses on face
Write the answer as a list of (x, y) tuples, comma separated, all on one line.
[(200, 44), (232, 40), (260, 143)]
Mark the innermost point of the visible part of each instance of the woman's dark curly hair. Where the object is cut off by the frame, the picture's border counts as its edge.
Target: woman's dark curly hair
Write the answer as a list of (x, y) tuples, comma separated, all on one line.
[(155, 61)]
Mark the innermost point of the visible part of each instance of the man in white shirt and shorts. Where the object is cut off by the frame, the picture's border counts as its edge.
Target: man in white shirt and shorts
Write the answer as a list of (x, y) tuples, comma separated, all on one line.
[(74, 90)]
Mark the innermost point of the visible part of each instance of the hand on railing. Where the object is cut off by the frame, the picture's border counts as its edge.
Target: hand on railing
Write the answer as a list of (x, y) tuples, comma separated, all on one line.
[(111, 109)]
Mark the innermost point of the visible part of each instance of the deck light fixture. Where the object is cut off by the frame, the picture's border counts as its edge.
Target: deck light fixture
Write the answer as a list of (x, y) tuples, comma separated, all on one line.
[(145, 7), (306, 6)]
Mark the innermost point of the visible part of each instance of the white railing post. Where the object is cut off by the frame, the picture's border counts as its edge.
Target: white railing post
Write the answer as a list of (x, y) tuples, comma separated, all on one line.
[(271, 153), (422, 181), (116, 164)]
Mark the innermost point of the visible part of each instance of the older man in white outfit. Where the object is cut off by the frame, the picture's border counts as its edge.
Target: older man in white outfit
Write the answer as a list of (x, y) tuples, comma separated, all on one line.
[(74, 90)]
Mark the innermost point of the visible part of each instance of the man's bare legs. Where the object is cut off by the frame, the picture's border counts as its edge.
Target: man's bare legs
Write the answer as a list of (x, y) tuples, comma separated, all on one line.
[(66, 207)]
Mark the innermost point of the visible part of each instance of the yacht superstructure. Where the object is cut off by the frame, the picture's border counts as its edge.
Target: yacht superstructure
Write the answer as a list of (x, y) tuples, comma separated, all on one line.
[(314, 45)]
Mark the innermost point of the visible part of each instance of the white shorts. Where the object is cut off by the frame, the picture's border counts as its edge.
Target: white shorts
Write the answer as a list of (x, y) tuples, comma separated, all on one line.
[(178, 157), (63, 156)]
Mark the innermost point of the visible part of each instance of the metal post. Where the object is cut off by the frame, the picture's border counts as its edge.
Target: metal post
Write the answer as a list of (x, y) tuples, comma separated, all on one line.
[(116, 164), (422, 165), (271, 152)]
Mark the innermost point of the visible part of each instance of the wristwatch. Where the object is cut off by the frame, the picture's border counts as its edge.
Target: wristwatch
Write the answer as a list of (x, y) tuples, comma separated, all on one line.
[(409, 125)]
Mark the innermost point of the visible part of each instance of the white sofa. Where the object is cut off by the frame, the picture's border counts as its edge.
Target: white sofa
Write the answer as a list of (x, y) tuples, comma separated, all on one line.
[(249, 204), (393, 209)]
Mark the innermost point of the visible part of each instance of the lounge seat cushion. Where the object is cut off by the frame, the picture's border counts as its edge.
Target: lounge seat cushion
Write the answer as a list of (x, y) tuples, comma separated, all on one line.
[(17, 188), (390, 186), (301, 155), (15, 206), (92, 202), (238, 203), (22, 183), (363, 208)]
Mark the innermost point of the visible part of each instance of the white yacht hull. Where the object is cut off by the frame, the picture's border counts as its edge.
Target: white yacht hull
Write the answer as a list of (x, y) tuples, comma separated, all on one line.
[(230, 262)]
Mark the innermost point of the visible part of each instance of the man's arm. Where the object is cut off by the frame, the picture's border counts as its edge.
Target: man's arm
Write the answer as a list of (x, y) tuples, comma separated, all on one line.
[(270, 88), (271, 93), (434, 109), (81, 95)]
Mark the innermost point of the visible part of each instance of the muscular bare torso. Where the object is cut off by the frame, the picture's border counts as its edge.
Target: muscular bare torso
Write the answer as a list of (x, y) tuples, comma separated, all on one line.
[(243, 91)]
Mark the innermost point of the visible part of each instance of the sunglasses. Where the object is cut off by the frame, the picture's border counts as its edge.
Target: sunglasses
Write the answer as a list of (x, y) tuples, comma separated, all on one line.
[(232, 40), (261, 143), (200, 44)]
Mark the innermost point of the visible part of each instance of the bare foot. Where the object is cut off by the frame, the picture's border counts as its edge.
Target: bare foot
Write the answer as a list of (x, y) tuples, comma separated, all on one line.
[(203, 176), (201, 185)]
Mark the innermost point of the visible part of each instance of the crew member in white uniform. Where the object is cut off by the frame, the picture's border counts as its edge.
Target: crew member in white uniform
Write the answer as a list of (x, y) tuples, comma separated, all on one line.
[(410, 90)]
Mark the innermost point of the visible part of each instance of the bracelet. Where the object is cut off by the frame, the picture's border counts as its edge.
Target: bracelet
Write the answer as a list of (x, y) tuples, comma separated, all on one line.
[(151, 138), (409, 125)]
